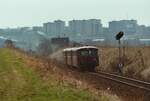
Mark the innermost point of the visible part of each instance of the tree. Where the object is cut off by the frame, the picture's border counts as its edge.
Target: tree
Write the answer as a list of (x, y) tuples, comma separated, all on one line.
[(44, 47), (9, 44)]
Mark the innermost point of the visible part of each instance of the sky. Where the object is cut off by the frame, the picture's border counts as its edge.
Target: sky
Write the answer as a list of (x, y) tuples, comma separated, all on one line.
[(21, 13)]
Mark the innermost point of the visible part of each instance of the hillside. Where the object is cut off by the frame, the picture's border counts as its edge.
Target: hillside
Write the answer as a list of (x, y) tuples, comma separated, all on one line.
[(22, 78)]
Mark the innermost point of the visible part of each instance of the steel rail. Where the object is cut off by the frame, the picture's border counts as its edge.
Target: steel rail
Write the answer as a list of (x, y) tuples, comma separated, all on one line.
[(120, 79), (139, 82), (124, 80)]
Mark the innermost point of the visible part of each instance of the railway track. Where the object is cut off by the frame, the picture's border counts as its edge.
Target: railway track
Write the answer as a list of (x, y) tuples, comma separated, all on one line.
[(120, 79), (124, 80)]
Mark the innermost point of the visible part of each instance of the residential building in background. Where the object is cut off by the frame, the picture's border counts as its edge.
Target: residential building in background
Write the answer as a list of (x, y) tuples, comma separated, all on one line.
[(85, 27), (127, 26), (56, 28), (147, 31), (37, 28), (142, 29), (90, 30)]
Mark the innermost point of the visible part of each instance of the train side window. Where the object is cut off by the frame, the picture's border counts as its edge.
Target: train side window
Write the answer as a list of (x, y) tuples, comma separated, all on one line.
[(74, 53), (69, 53), (64, 53)]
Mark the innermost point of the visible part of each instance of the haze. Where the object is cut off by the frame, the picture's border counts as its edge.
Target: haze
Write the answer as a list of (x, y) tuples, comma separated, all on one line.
[(14, 13)]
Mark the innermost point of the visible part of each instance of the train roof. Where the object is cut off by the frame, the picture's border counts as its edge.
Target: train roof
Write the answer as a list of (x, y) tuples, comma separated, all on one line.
[(79, 48)]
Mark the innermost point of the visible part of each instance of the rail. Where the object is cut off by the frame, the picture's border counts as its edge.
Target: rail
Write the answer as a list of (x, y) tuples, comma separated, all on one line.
[(123, 80)]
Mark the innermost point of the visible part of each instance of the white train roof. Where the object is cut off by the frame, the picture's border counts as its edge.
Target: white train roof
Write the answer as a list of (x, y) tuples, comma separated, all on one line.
[(78, 48)]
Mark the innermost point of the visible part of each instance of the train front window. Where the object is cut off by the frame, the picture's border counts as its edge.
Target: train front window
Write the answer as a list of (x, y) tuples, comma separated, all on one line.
[(84, 53), (88, 53)]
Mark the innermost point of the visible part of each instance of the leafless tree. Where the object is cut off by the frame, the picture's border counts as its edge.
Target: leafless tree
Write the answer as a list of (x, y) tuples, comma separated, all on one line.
[(44, 47)]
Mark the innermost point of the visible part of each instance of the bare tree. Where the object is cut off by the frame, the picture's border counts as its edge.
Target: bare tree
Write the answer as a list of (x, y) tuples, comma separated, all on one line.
[(44, 47), (9, 44)]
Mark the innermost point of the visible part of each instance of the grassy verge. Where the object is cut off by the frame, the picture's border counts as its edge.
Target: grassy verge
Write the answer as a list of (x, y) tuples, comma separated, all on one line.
[(136, 61), (18, 82)]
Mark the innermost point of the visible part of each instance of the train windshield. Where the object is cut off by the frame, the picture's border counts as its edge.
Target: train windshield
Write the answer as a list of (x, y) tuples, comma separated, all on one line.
[(88, 52)]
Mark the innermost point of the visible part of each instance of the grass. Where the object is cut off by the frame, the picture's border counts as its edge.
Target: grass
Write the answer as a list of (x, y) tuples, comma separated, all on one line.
[(136, 61), (18, 82)]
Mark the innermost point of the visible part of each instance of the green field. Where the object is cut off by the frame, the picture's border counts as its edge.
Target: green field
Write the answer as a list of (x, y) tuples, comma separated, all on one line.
[(18, 82)]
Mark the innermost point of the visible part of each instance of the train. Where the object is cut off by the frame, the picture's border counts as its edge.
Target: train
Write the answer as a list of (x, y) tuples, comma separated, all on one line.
[(84, 58)]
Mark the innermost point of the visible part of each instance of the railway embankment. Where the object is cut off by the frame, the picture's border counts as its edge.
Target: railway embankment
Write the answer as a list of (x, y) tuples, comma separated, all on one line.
[(125, 90), (27, 78)]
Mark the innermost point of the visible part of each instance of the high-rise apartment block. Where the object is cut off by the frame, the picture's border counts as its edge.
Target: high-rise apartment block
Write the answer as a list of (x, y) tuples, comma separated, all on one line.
[(56, 28), (92, 26), (127, 26)]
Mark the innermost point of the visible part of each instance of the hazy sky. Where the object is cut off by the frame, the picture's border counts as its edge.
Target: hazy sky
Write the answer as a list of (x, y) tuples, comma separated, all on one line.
[(15, 13)]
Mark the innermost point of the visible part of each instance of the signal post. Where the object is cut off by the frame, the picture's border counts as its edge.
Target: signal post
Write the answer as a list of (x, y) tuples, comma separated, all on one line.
[(120, 64)]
